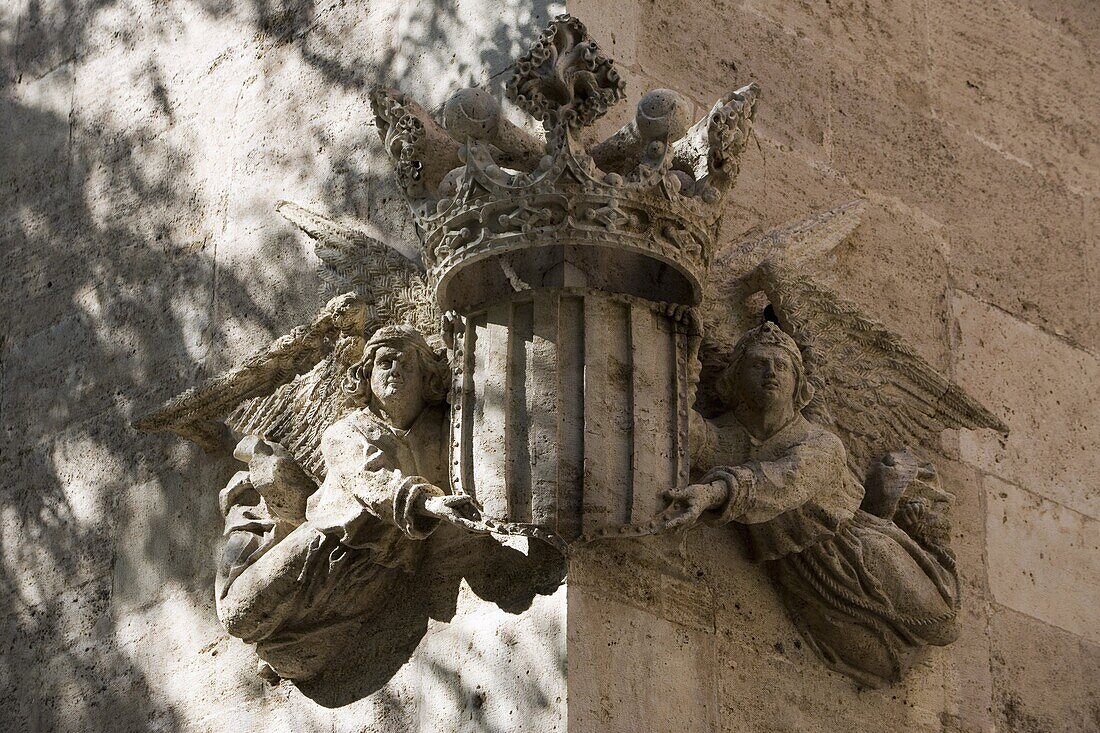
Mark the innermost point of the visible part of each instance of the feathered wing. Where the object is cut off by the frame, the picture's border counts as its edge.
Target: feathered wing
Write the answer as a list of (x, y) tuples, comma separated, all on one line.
[(296, 414), (291, 391), (872, 388), (393, 290), (728, 312), (394, 287), (197, 414)]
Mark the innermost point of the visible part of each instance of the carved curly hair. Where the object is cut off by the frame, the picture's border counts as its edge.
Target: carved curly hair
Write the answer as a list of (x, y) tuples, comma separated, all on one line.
[(434, 370)]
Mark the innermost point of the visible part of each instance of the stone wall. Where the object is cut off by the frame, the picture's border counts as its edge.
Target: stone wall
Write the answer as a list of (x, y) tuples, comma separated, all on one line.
[(144, 145), (971, 129)]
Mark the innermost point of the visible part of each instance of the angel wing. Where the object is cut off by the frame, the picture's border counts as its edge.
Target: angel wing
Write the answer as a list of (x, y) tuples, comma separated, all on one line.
[(802, 241), (729, 306), (197, 413), (290, 392), (393, 286), (872, 388)]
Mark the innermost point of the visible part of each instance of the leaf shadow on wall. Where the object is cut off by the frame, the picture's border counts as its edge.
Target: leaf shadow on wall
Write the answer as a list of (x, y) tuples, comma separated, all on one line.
[(372, 654), (104, 301), (114, 297)]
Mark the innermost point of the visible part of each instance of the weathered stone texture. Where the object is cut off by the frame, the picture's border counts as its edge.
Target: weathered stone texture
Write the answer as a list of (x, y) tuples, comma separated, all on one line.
[(142, 149), (1042, 676), (987, 193), (1041, 384), (1044, 558)]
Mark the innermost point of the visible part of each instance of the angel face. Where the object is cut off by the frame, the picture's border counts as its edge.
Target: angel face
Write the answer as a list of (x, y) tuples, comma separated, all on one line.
[(766, 377), (396, 376)]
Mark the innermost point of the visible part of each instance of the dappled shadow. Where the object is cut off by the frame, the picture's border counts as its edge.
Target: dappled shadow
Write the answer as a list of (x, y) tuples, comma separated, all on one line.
[(500, 575), (141, 254)]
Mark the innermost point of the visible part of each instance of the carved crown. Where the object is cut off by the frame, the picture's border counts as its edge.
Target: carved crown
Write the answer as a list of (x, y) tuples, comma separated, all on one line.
[(640, 205)]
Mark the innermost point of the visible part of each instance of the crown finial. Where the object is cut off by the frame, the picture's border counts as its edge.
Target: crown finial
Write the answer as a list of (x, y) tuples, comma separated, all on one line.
[(638, 208), (565, 80)]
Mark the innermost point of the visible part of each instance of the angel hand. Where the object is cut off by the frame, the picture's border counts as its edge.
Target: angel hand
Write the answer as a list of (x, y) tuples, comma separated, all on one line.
[(691, 502), (459, 510), (277, 477)]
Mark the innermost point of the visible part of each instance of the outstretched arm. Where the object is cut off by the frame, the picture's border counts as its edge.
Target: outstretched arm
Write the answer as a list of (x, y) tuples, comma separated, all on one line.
[(271, 543), (364, 484), (758, 491)]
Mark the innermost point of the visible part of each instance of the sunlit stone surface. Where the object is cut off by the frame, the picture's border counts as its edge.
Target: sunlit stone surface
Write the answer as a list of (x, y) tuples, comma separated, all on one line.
[(146, 147)]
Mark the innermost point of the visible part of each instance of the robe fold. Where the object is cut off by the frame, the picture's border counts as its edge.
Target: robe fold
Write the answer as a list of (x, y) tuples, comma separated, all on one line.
[(863, 592), (331, 573)]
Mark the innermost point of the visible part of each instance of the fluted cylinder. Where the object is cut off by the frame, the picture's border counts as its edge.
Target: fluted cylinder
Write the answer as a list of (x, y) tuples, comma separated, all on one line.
[(569, 408)]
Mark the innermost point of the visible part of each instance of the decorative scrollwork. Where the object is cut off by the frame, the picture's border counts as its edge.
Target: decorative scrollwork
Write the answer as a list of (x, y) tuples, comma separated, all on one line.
[(565, 80)]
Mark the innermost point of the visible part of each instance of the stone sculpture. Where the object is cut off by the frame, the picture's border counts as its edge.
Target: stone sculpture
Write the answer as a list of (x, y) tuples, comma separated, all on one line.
[(534, 373), (866, 588), (302, 561)]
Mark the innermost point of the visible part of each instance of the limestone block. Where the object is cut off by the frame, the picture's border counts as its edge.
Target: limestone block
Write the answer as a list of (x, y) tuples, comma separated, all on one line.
[(1044, 559), (41, 37), (185, 522), (706, 587), (1073, 18), (33, 163), (1034, 381), (981, 202), (613, 25), (606, 640), (477, 51), (56, 525), (661, 582), (884, 136), (890, 36), (968, 521), (776, 185), (485, 671), (1036, 266), (803, 697), (967, 680), (982, 56), (1046, 679), (735, 44), (894, 265)]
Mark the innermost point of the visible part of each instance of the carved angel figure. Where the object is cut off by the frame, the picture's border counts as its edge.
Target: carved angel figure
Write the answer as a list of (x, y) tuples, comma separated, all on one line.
[(299, 564), (344, 428), (859, 553), (864, 591)]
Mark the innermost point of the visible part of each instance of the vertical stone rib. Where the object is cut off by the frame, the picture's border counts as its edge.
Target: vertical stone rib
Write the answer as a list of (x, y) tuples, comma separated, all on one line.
[(456, 397), (654, 416), (519, 414), (463, 452), (543, 394), (572, 410), (608, 423), (491, 393), (570, 414), (681, 405)]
